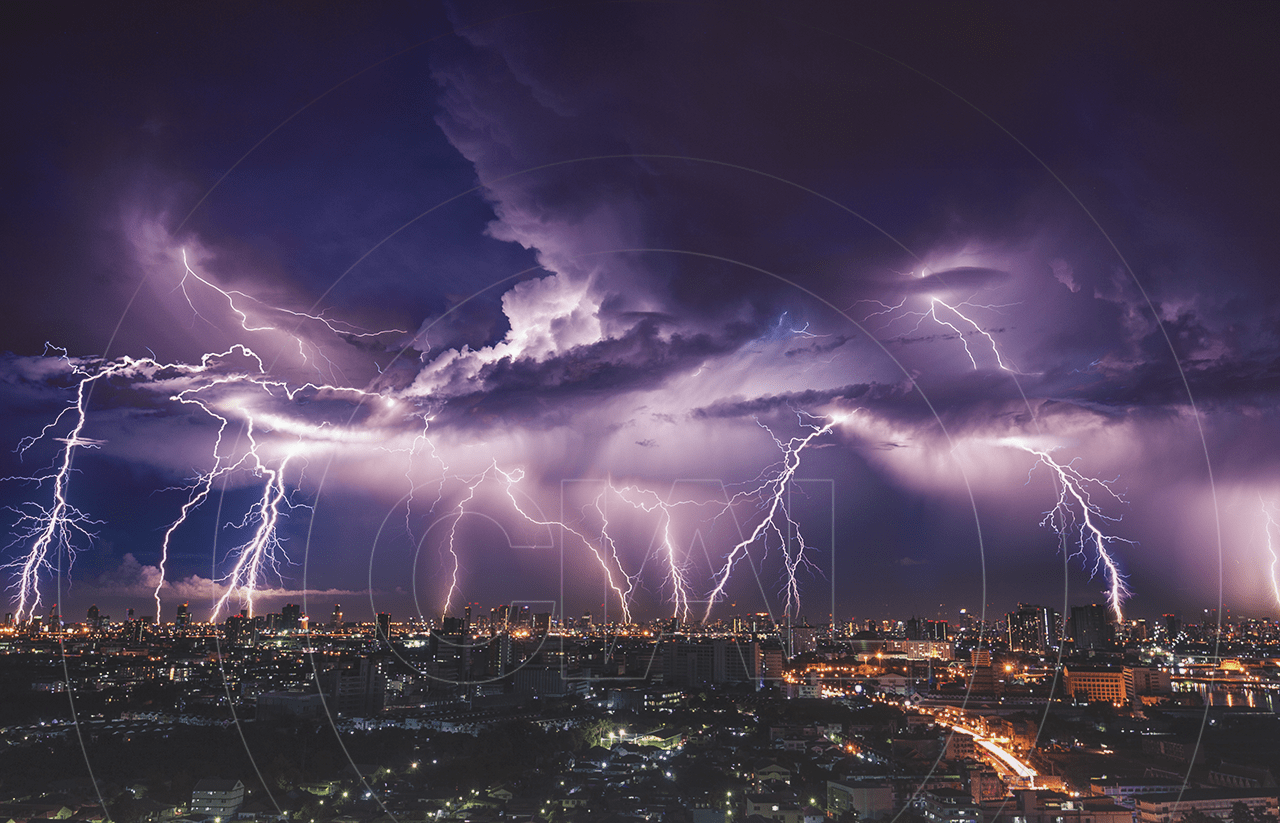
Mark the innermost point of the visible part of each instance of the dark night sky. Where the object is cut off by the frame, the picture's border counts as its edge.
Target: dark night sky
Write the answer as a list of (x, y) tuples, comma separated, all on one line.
[(625, 243)]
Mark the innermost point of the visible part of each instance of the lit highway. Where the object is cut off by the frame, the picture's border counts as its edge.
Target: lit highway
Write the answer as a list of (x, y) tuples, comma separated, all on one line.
[(1002, 756), (1012, 763)]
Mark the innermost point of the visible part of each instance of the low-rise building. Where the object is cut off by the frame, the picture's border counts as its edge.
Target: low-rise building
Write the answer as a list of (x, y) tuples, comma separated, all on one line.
[(1095, 684), (1169, 808), (946, 806), (867, 800), (1126, 791), (1031, 806), (220, 798)]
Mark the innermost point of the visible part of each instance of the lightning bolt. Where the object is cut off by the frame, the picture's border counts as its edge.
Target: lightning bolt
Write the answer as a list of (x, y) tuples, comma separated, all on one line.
[(511, 479), (52, 529), (1075, 515), (235, 299), (57, 529), (452, 547), (1275, 558), (951, 315), (776, 521), (234, 391), (648, 501)]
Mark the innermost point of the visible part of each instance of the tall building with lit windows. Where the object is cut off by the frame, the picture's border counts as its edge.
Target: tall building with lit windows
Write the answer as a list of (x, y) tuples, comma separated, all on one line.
[(1031, 628)]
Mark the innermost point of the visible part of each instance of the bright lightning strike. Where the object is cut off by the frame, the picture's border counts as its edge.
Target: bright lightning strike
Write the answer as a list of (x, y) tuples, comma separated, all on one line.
[(241, 312), (223, 389), (776, 528), (271, 445), (776, 522), (1274, 570), (950, 316), (1076, 515), (677, 575), (512, 479), (56, 528)]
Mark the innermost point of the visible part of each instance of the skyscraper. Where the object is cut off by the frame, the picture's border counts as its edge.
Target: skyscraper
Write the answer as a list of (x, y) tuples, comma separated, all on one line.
[(238, 628), (356, 688), (384, 628), (1091, 628), (450, 649), (498, 618), (291, 617), (1030, 628), (183, 619)]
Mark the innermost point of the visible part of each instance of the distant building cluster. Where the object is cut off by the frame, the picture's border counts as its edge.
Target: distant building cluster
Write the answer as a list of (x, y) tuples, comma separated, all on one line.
[(934, 720)]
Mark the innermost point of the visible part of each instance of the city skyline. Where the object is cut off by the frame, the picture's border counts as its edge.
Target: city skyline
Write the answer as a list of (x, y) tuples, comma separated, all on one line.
[(676, 311)]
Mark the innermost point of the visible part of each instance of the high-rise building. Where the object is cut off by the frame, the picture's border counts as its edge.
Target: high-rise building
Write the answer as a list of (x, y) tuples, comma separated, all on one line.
[(355, 689), (291, 617), (983, 677), (335, 619), (498, 655), (722, 660), (1031, 628), (923, 629), (238, 628), (803, 639), (183, 619), (451, 650), (1091, 628), (384, 628)]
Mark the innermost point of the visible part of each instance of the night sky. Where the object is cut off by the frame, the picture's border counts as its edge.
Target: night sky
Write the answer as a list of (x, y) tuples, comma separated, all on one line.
[(623, 258)]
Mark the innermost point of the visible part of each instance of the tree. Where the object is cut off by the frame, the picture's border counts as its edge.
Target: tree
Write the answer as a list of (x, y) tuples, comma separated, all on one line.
[(1197, 816), (125, 808), (1240, 813)]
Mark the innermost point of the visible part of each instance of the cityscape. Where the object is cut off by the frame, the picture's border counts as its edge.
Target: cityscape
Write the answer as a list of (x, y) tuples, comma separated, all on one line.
[(684, 412), (507, 713)]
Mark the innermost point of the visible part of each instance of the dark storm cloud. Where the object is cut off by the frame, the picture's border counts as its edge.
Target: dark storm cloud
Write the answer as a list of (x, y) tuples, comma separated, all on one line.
[(793, 401), (1088, 362), (539, 393), (822, 346), (518, 96)]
